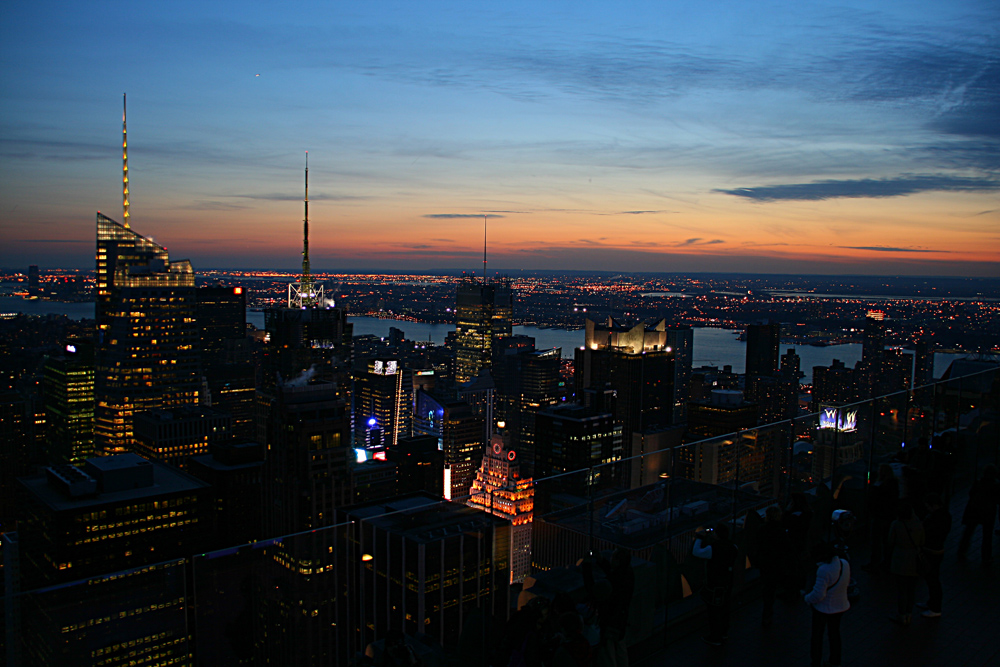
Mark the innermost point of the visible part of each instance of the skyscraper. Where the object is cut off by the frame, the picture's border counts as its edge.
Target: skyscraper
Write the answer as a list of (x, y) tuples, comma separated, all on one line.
[(68, 397), (763, 342), (459, 431), (228, 374), (382, 404), (307, 436), (311, 335), (500, 490), (483, 312), (638, 365), (147, 337), (147, 354)]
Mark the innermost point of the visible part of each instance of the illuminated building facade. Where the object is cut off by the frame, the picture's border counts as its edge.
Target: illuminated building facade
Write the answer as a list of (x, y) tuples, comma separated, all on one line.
[(147, 355), (113, 513), (382, 404), (500, 490), (483, 313), (68, 397), (838, 442)]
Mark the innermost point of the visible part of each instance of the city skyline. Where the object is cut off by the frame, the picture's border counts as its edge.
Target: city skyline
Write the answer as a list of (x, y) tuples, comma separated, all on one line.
[(771, 139)]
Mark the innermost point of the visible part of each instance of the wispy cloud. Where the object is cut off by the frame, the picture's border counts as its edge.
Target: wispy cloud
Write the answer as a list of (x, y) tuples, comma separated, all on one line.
[(880, 248), (212, 206), (277, 196), (864, 188), (91, 241), (457, 216), (698, 241)]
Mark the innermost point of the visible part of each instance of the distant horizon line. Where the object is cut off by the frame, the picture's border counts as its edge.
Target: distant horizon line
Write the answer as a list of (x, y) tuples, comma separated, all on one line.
[(591, 272)]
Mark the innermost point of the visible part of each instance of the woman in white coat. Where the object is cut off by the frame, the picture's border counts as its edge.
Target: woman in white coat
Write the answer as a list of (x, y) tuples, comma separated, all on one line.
[(829, 602)]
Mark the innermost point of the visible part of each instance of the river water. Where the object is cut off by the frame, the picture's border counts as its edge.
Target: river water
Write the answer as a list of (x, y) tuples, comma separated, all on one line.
[(712, 347)]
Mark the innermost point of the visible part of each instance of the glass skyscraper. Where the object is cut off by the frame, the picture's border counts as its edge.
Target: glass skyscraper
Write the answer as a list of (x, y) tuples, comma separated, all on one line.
[(147, 347)]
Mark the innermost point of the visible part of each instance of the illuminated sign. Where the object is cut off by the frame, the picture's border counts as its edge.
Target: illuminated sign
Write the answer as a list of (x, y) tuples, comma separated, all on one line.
[(361, 454), (841, 420), (71, 349), (380, 367)]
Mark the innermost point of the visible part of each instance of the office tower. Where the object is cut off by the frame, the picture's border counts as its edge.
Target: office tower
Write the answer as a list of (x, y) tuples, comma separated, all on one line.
[(483, 313), (313, 341), (17, 453), (505, 375), (744, 458), (176, 434), (500, 490), (897, 371), (119, 527), (680, 339), (777, 395), (114, 512), (870, 368), (763, 342), (68, 398), (372, 479), (835, 383), (638, 365), (311, 336), (459, 432), (227, 371), (923, 371), (420, 565), (307, 436), (724, 413), (147, 354), (235, 473), (570, 438), (382, 404), (532, 384), (419, 465), (33, 285)]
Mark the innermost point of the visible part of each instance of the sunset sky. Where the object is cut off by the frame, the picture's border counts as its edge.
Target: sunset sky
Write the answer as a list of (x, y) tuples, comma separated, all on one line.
[(766, 137)]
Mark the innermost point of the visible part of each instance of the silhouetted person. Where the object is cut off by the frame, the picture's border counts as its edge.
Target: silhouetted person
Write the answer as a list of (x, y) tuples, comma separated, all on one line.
[(613, 598), (828, 599), (797, 519), (937, 525), (981, 511), (882, 498), (771, 558), (715, 547), (573, 649), (906, 538)]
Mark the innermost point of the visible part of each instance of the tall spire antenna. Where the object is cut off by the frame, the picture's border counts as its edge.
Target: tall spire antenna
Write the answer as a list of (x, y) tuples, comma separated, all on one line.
[(124, 165), (306, 283), (484, 247)]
